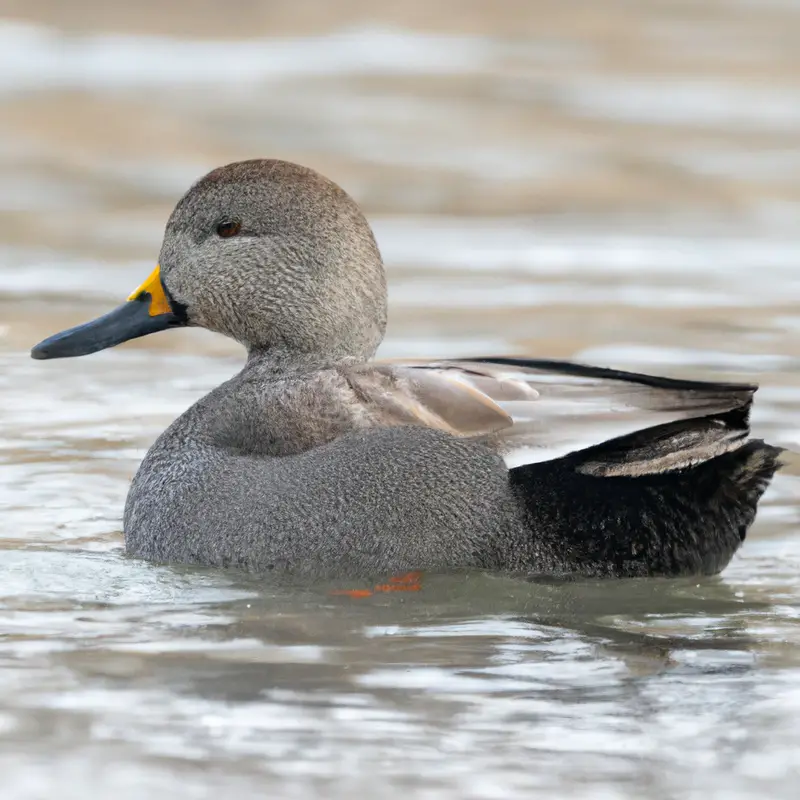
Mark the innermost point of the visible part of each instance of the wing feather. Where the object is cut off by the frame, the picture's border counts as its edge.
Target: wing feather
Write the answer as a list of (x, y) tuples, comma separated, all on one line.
[(397, 395), (534, 410)]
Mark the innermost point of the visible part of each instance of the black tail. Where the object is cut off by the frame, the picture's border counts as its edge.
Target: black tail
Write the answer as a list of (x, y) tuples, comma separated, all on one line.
[(689, 520)]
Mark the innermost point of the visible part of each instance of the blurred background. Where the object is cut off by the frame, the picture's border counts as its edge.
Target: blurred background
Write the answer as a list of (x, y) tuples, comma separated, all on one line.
[(612, 181), (543, 176)]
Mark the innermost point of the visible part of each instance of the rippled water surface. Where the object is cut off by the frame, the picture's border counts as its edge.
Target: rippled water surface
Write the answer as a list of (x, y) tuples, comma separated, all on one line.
[(614, 182)]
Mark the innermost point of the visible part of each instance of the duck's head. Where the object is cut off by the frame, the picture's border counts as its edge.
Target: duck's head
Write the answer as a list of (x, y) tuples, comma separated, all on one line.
[(269, 253)]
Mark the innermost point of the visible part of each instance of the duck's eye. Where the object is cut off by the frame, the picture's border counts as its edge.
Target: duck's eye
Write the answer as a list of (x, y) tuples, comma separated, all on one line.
[(227, 229)]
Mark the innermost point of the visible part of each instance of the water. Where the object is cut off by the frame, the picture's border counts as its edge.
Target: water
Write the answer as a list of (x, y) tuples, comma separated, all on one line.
[(610, 182)]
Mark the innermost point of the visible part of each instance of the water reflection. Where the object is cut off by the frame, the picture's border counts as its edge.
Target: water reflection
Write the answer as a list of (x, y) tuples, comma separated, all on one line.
[(478, 674)]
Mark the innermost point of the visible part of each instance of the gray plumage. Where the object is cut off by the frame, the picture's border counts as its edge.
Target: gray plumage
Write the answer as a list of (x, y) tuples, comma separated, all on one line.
[(315, 461)]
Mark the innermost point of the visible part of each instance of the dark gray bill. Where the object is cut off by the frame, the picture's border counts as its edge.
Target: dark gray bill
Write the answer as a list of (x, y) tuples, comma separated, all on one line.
[(130, 321)]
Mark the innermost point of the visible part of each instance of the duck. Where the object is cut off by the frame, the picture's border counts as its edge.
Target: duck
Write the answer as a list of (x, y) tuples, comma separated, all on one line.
[(318, 461)]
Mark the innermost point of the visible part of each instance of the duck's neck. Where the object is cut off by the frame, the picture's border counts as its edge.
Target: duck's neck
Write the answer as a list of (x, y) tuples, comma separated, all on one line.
[(274, 407), (274, 363)]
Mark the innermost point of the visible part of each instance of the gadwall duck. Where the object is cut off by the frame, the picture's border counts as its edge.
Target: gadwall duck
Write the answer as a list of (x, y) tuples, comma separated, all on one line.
[(315, 460)]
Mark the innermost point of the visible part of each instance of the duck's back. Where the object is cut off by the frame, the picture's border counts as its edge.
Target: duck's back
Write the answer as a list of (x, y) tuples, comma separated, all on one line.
[(339, 472)]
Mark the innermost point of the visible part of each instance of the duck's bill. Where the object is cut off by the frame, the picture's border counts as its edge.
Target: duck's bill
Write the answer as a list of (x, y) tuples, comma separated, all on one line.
[(147, 310)]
